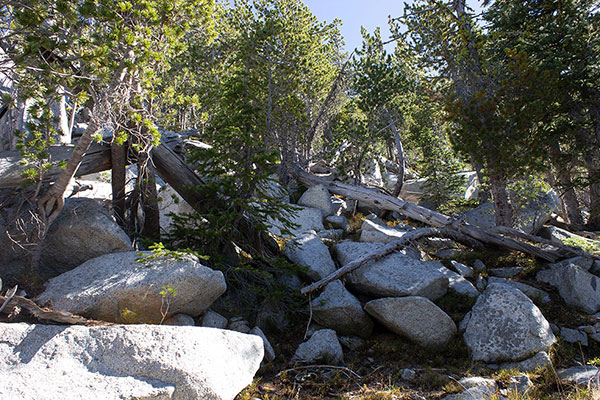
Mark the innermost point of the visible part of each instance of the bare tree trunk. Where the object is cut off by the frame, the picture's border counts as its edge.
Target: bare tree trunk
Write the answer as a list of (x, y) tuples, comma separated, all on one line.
[(151, 228), (399, 156), (484, 193), (568, 196), (502, 205), (119, 161)]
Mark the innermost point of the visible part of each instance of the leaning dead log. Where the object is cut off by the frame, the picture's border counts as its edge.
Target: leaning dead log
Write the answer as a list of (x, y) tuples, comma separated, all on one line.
[(432, 218), (390, 248), (46, 314)]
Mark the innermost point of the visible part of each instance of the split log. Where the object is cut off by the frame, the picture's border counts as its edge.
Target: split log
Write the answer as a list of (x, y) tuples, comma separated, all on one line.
[(390, 248), (430, 217)]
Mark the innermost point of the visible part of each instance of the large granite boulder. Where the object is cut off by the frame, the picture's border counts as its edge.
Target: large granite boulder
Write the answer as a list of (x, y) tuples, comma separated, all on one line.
[(416, 318), (535, 294), (120, 288), (505, 325), (48, 362), (395, 275), (456, 282), (576, 286), (308, 250), (338, 309), (317, 197), (82, 231)]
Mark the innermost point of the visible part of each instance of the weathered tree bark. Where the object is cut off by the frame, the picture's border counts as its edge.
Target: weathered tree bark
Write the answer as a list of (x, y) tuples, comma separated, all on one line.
[(390, 248), (569, 197), (118, 155), (399, 155), (47, 314), (149, 196), (502, 205)]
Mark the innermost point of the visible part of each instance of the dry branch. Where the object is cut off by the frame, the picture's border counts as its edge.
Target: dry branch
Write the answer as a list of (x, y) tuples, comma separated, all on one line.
[(390, 248), (47, 314)]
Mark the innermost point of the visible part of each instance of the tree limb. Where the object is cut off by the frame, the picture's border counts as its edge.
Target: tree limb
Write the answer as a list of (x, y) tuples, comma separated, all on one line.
[(390, 248)]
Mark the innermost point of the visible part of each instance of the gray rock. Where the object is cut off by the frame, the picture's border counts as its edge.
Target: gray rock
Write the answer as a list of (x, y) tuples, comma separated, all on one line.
[(119, 288), (449, 253), (519, 384), (322, 346), (590, 329), (558, 236), (331, 234), (462, 325), (457, 283), (338, 309), (478, 265), (476, 381), (408, 374), (582, 262), (555, 329), (372, 232), (462, 269), (481, 283), (239, 324), (180, 320), (82, 231), (595, 337), (170, 202), (273, 188), (576, 286), (268, 348), (305, 219), (505, 272), (308, 250), (539, 360), (317, 197), (213, 319), (476, 393), (535, 294), (338, 222), (505, 325), (529, 220), (351, 342), (393, 275), (582, 375), (574, 336), (47, 362), (416, 318)]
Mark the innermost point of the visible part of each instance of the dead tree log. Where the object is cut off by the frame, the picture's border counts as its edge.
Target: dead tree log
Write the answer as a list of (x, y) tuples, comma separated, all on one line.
[(47, 314), (432, 218)]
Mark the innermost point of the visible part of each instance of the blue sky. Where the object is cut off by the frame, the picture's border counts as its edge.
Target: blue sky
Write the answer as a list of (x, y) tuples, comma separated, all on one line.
[(354, 13)]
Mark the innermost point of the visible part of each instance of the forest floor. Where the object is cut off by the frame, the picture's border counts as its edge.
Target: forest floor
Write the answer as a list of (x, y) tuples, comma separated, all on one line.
[(377, 369)]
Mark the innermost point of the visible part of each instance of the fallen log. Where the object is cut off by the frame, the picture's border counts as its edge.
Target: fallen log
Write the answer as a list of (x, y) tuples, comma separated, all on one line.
[(390, 248), (43, 313), (432, 218)]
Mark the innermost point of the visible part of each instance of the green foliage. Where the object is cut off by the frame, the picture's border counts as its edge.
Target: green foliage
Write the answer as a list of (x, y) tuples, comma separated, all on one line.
[(159, 250), (587, 245)]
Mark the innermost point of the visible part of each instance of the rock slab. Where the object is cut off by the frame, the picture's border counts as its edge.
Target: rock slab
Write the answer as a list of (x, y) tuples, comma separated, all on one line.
[(505, 325), (119, 288), (308, 250), (48, 362), (416, 318), (338, 309)]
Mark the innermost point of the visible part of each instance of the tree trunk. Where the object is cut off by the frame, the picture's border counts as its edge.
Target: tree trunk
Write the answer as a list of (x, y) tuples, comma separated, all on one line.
[(502, 207), (399, 156), (119, 161), (149, 196), (568, 196)]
